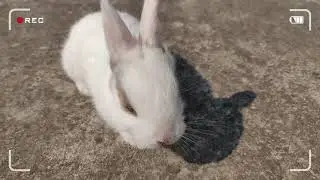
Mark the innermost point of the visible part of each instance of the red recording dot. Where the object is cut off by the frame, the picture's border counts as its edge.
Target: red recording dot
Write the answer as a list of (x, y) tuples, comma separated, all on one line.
[(19, 20)]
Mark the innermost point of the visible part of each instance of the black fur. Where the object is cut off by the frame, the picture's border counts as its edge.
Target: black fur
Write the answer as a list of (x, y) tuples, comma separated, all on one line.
[(216, 122)]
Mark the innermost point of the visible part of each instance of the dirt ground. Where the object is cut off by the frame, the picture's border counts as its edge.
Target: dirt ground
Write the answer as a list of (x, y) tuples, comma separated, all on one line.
[(236, 45)]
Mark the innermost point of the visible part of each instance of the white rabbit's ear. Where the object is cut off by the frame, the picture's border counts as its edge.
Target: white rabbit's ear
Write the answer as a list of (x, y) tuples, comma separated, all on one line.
[(117, 35), (149, 23)]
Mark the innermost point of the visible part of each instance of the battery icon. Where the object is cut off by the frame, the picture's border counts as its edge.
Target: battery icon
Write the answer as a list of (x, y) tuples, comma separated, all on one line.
[(296, 19)]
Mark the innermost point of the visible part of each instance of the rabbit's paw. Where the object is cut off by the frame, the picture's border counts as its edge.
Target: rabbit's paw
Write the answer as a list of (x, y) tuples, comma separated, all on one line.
[(82, 88), (127, 138)]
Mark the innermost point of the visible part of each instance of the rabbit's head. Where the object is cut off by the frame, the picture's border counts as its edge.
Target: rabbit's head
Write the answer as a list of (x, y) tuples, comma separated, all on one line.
[(143, 79)]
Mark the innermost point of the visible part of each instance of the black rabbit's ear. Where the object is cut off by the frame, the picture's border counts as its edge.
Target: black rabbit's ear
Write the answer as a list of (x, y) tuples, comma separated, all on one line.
[(243, 99)]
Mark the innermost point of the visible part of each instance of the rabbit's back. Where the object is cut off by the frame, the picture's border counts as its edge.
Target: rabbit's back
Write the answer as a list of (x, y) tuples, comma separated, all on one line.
[(86, 41)]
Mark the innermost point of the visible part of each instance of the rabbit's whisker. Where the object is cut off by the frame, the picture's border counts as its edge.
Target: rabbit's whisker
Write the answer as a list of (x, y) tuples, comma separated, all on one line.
[(201, 131), (196, 137), (184, 146), (188, 139), (208, 125)]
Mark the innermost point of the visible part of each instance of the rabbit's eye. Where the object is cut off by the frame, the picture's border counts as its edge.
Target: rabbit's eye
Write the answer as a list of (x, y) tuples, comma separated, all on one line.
[(130, 109), (125, 102), (162, 48)]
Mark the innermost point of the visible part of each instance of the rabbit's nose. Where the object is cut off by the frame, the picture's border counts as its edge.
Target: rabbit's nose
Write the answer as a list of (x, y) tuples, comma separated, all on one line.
[(165, 145), (165, 141)]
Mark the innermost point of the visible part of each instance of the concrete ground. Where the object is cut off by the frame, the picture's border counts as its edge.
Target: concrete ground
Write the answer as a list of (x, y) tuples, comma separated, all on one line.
[(236, 45)]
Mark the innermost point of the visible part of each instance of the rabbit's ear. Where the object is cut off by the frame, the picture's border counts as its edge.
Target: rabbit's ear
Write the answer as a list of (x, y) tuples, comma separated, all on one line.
[(149, 23), (117, 35)]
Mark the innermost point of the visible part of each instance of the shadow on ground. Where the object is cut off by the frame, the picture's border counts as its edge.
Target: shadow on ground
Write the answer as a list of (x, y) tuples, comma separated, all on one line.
[(214, 125)]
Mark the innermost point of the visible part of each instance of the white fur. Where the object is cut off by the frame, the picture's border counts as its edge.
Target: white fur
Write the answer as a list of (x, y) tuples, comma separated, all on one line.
[(146, 74)]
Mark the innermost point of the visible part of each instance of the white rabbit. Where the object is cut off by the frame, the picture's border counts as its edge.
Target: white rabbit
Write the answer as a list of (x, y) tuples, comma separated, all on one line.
[(130, 76)]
